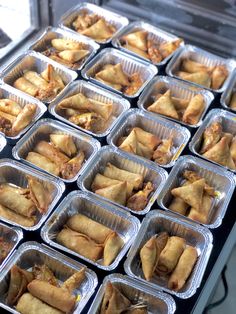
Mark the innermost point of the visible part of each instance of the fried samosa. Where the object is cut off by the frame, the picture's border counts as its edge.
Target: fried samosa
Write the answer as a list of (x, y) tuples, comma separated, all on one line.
[(73, 55), (178, 205), (104, 110), (62, 44), (88, 121), (24, 118), (191, 66), (162, 155), (44, 273), (77, 101), (137, 39), (167, 48), (218, 76), (139, 200), (137, 51), (116, 193), (64, 142), (194, 110), (74, 281), (113, 74), (130, 143), (201, 78), (146, 138), (112, 247), (193, 176), (99, 31), (73, 166), (211, 136)]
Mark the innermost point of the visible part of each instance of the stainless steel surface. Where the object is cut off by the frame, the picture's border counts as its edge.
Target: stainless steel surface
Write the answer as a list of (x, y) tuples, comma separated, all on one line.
[(180, 89), (221, 180), (78, 202), (130, 65), (158, 35), (201, 56), (112, 18), (42, 130), (119, 104), (195, 235), (158, 126), (136, 292), (31, 60), (16, 173), (106, 154), (30, 254), (43, 42)]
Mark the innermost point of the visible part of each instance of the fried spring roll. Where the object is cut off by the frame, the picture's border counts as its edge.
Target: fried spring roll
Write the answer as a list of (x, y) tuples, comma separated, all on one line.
[(112, 247), (28, 304), (54, 296), (170, 255), (43, 162), (26, 86), (9, 106), (194, 110), (82, 224), (218, 77), (52, 153), (24, 118), (19, 219), (74, 281), (183, 269), (16, 202), (64, 142), (114, 172), (36, 79), (80, 243), (7, 116)]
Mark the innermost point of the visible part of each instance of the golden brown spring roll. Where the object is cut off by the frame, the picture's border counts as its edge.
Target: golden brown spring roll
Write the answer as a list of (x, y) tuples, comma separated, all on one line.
[(183, 269), (114, 172), (211, 136), (28, 304), (74, 281), (7, 116), (170, 255), (112, 247), (72, 167), (139, 200), (16, 202), (116, 193), (232, 103), (43, 162), (65, 44), (10, 106), (82, 224), (19, 219), (26, 86), (52, 153), (36, 79), (218, 76), (40, 193), (64, 142), (54, 296), (194, 110), (80, 243), (24, 118)]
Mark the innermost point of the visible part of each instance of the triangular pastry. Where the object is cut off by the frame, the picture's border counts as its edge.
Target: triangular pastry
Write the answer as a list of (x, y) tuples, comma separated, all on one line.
[(137, 51), (166, 48), (112, 247), (65, 44), (114, 74), (194, 110), (116, 193), (137, 39), (218, 76), (201, 78), (77, 101), (162, 154), (211, 136), (73, 55), (191, 66), (164, 106), (233, 149), (144, 151), (98, 31), (105, 110), (149, 255), (64, 142), (146, 138), (115, 86), (191, 194), (130, 143)]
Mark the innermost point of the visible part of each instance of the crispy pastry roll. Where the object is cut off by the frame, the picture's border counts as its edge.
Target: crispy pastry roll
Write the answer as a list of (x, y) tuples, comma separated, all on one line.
[(191, 66), (130, 143), (54, 296), (26, 86), (36, 79), (72, 167), (137, 39), (191, 194), (166, 48), (113, 74), (51, 76), (65, 44), (10, 106), (28, 304), (19, 278), (178, 205), (232, 103), (104, 110), (220, 153), (52, 153), (114, 172), (114, 302), (193, 176), (73, 55), (40, 193), (163, 154), (211, 136), (82, 224), (136, 50), (74, 281), (116, 193), (150, 253), (64, 142), (218, 76), (146, 138), (99, 31), (43, 162), (44, 273), (139, 200), (88, 121), (16, 202), (13, 216), (101, 181), (183, 269), (112, 247), (80, 243), (165, 106), (194, 110), (24, 118), (77, 101), (7, 116), (170, 255), (201, 77), (233, 149)]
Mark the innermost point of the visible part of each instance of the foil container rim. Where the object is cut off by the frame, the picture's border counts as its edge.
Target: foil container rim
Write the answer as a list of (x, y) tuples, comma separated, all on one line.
[(3, 142), (227, 91), (51, 108), (105, 205)]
